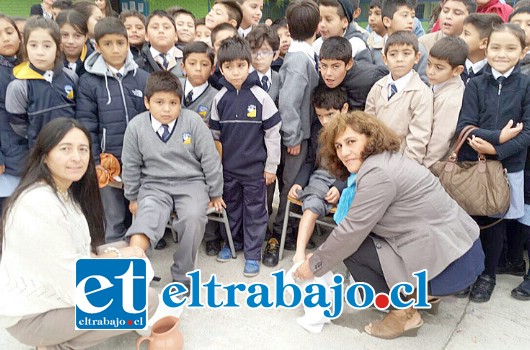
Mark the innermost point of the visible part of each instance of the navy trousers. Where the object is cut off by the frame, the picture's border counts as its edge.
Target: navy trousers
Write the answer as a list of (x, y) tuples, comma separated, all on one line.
[(246, 207)]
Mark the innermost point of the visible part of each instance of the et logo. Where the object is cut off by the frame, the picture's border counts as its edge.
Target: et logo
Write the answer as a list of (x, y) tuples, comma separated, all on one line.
[(111, 294)]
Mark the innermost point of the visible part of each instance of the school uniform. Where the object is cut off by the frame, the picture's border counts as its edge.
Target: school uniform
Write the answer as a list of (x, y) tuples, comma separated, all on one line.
[(271, 84), (472, 70), (248, 125), (358, 43), (13, 147), (180, 172), (108, 100), (428, 40), (79, 66), (409, 112), (152, 60), (35, 97), (447, 103), (199, 98)]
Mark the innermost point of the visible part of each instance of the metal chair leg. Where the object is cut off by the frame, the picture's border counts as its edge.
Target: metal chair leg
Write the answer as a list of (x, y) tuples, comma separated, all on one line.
[(229, 234), (284, 228)]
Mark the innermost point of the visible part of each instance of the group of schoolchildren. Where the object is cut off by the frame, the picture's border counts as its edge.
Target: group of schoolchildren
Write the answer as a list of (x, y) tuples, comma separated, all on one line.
[(159, 92)]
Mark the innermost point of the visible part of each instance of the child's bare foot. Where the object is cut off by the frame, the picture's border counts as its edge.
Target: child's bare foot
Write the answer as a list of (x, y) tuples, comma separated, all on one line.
[(298, 257)]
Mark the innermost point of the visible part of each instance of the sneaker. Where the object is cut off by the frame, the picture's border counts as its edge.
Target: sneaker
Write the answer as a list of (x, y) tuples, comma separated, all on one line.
[(251, 268), (225, 254), (482, 289)]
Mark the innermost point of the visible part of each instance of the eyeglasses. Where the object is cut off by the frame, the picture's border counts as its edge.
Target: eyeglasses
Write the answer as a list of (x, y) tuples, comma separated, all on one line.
[(263, 54)]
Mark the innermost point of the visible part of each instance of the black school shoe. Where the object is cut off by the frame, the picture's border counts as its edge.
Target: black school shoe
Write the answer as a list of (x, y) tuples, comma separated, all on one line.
[(271, 255), (161, 244), (213, 247), (522, 291), (464, 293), (482, 289), (511, 269)]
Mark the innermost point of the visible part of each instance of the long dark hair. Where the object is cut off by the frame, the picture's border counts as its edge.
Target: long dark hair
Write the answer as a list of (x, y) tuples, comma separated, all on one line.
[(20, 51), (84, 192), (38, 22)]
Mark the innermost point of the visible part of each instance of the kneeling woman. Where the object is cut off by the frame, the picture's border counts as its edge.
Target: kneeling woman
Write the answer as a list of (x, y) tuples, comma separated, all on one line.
[(400, 221), (54, 217)]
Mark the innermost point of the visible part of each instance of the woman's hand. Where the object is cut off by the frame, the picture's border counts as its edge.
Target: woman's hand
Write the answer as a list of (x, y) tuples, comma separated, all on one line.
[(481, 146), (293, 192), (303, 272), (333, 195)]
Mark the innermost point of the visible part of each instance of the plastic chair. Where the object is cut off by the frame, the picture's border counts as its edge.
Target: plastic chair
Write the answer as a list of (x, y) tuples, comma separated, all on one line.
[(290, 214)]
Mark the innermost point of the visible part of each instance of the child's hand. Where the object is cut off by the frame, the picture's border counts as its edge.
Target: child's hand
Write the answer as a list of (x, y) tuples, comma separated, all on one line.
[(481, 146), (508, 133), (333, 195), (293, 192), (269, 178), (133, 207), (294, 150), (218, 203)]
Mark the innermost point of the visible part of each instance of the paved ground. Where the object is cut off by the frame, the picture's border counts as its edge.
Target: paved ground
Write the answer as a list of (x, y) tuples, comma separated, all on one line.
[(501, 323)]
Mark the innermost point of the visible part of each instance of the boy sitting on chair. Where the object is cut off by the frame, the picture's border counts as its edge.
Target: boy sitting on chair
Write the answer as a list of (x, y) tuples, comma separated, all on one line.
[(323, 190), (170, 164)]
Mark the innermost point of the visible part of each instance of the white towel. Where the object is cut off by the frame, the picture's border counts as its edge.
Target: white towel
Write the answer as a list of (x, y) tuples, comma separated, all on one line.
[(313, 320)]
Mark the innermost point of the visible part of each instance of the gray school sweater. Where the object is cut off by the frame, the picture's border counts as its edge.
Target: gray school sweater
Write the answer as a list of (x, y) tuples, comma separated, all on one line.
[(298, 78), (202, 105), (189, 155)]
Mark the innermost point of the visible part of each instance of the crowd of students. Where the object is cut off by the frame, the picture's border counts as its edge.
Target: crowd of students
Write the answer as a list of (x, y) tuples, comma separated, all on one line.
[(157, 92)]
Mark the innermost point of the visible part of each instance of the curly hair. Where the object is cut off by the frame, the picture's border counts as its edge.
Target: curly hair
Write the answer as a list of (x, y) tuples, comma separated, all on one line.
[(380, 139)]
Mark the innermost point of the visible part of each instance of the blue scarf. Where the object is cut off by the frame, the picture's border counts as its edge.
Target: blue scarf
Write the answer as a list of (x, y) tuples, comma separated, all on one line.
[(346, 198)]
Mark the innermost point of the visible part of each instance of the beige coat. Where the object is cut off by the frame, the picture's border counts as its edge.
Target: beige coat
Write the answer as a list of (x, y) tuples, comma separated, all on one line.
[(409, 113), (418, 226), (447, 103), (430, 39)]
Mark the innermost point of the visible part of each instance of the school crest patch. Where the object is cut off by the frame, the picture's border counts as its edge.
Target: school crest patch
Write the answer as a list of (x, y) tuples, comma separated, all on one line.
[(186, 138), (69, 92), (251, 111), (203, 111)]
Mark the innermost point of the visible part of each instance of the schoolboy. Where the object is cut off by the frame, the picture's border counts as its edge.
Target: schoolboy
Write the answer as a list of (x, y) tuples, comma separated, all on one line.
[(521, 16), (185, 24), (159, 52), (375, 22), (321, 190), (202, 33), (336, 18), (246, 121), (451, 20), (110, 95), (477, 29), (219, 33), (224, 11), (400, 99), (282, 29), (446, 62), (264, 44), (338, 69), (398, 15), (252, 11), (198, 65), (170, 164), (134, 22), (298, 77)]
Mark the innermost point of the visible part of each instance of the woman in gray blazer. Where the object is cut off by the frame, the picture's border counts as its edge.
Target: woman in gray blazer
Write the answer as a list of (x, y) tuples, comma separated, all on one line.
[(400, 220)]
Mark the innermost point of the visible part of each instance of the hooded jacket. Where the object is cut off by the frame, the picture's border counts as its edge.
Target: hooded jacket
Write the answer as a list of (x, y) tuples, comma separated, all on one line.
[(106, 103), (31, 101), (147, 62), (13, 147)]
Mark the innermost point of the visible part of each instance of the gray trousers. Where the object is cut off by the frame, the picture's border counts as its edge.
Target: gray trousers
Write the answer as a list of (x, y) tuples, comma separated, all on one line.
[(55, 329), (189, 201), (291, 167), (116, 212)]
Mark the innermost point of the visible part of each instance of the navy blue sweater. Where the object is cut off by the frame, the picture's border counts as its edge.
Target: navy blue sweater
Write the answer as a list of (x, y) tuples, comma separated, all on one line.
[(13, 147), (489, 106), (106, 103)]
